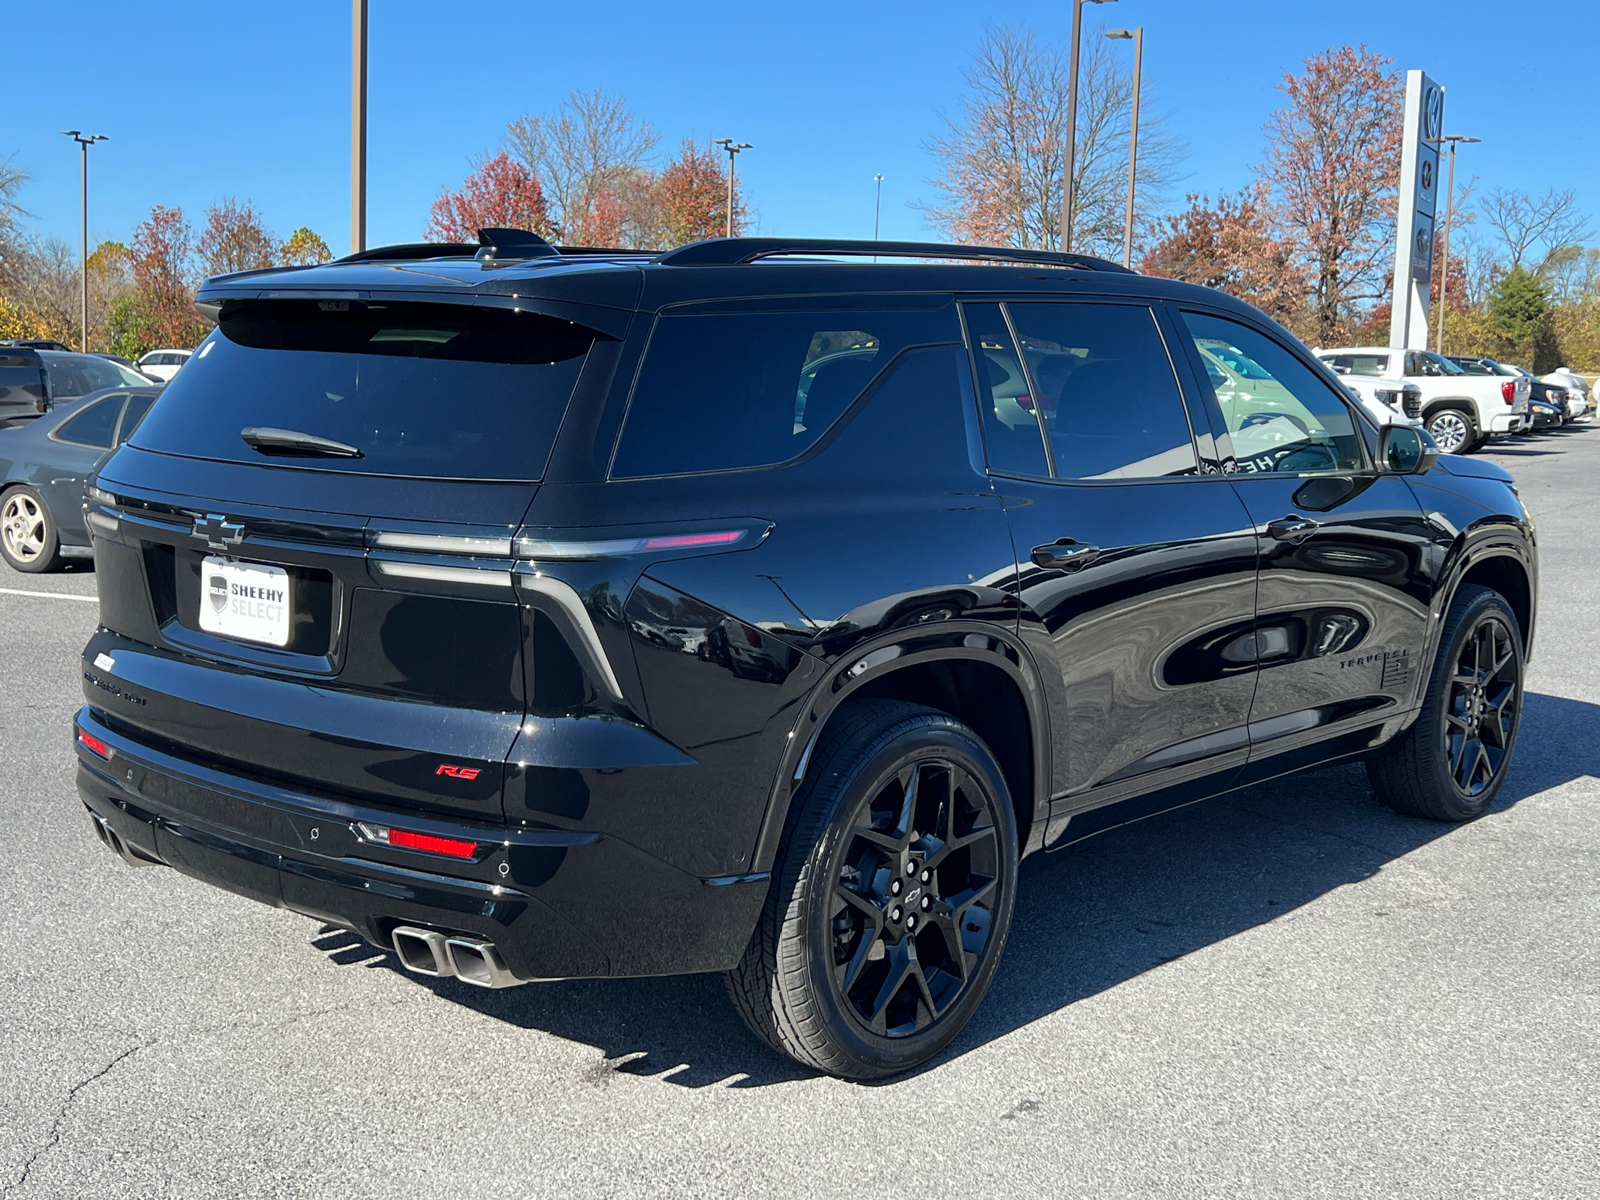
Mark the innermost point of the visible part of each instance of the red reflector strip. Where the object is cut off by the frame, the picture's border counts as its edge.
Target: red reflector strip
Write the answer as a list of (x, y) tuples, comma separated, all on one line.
[(433, 845), (94, 744), (681, 540)]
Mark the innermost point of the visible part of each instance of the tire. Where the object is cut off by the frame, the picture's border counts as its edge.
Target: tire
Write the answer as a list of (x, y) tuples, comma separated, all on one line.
[(28, 538), (883, 928), (1451, 763), (1454, 429)]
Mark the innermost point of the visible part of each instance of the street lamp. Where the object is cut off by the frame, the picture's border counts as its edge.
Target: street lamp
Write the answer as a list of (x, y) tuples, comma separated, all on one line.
[(733, 148), (877, 211), (1444, 242), (85, 140), (1072, 120), (1133, 138), (358, 126)]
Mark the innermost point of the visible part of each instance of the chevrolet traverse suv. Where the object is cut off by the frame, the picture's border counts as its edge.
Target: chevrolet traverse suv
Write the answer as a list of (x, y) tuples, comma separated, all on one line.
[(754, 608)]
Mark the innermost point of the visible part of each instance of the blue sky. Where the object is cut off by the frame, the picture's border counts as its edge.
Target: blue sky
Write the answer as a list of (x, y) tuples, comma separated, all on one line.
[(204, 100)]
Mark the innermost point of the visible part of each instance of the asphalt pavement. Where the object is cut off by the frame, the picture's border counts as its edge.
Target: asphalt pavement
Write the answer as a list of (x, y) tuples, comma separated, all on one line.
[(1289, 991)]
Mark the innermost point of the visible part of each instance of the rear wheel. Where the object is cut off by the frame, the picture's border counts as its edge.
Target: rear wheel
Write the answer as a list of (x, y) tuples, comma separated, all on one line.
[(1451, 763), (891, 897), (1454, 430), (28, 532)]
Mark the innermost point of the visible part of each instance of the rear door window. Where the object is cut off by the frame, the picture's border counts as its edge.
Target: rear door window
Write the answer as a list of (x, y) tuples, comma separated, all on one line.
[(95, 426), (422, 390), (1012, 439), (729, 391), (1106, 389)]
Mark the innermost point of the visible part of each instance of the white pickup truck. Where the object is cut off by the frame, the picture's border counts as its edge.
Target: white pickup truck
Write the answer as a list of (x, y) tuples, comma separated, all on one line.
[(1461, 411)]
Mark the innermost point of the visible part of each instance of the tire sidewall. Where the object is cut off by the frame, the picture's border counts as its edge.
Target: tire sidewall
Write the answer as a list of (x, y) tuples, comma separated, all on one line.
[(52, 550), (950, 740), (1463, 806)]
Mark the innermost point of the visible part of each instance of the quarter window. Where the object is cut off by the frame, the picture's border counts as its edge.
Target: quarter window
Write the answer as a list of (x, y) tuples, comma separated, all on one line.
[(1279, 413), (721, 392)]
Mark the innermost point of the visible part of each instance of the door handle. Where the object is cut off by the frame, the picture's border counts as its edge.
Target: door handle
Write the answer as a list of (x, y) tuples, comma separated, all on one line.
[(1292, 528), (1065, 555)]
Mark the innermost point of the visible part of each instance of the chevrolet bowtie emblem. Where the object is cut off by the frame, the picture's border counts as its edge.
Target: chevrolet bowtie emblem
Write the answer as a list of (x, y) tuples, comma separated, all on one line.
[(218, 532)]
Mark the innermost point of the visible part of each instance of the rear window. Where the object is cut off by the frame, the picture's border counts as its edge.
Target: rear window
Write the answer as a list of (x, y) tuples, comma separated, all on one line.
[(1359, 364), (720, 392), (423, 390), (79, 374)]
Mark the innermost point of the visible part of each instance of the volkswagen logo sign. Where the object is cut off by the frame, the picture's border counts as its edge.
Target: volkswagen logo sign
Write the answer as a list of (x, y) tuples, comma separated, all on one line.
[(217, 590), (1432, 113), (1427, 176)]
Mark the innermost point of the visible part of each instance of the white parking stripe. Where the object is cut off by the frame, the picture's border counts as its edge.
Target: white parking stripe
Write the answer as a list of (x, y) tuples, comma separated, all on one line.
[(50, 595)]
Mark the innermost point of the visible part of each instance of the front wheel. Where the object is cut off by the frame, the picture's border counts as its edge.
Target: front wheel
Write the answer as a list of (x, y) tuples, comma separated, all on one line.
[(1451, 763), (891, 897), (28, 532)]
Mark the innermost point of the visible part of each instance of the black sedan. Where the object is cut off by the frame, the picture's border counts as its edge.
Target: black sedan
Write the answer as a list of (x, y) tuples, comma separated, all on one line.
[(43, 465)]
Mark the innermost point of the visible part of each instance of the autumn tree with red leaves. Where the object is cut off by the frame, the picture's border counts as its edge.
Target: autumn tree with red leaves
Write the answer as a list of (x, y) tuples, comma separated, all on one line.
[(1230, 246), (1332, 169), (235, 239), (693, 193), (160, 258), (500, 193)]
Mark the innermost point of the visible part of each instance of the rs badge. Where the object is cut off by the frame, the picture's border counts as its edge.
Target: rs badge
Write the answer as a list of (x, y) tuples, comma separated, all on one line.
[(458, 772)]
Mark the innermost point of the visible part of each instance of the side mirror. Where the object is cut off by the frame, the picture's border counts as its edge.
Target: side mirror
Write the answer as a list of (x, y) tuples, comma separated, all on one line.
[(1406, 450)]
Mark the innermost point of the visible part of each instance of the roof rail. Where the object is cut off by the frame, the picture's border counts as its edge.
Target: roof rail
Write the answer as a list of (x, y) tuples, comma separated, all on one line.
[(727, 252), (409, 250)]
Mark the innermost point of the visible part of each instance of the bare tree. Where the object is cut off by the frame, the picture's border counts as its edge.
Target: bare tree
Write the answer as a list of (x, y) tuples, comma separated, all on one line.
[(587, 156), (1550, 222), (1001, 162), (1572, 273)]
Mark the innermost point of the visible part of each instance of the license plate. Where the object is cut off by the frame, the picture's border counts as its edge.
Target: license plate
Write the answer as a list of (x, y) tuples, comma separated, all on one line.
[(247, 601)]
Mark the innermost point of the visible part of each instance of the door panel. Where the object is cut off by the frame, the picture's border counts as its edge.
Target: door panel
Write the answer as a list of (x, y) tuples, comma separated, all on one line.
[(1131, 564), (1343, 601)]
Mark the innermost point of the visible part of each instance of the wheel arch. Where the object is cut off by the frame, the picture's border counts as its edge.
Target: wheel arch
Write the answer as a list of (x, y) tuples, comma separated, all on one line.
[(977, 674)]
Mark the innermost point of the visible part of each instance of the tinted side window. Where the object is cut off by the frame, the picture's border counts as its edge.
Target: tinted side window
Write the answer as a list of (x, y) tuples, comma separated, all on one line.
[(95, 425), (132, 415), (1281, 415), (718, 392), (1103, 381), (1011, 435), (911, 425)]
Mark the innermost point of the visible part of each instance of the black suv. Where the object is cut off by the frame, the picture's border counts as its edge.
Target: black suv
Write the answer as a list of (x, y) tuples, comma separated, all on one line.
[(753, 608)]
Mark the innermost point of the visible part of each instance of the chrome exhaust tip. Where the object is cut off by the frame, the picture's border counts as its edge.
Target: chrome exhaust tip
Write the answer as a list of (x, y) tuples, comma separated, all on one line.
[(422, 951), (478, 963)]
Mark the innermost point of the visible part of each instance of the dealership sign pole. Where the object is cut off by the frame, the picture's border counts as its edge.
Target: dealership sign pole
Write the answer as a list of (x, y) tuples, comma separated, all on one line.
[(1419, 197)]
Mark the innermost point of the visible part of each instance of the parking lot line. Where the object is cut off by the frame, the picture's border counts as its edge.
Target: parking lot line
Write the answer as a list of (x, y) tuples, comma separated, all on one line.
[(49, 595)]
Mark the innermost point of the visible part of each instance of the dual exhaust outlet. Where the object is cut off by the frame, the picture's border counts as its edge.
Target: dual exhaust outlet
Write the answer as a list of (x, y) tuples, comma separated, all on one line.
[(469, 959), (423, 951), (111, 841)]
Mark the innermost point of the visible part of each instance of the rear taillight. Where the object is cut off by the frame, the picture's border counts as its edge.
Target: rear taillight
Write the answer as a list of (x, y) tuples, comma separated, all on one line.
[(1508, 390), (94, 745), (406, 839)]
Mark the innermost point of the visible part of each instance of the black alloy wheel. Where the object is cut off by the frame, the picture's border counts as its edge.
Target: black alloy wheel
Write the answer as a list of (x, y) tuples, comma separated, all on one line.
[(891, 899), (1453, 760)]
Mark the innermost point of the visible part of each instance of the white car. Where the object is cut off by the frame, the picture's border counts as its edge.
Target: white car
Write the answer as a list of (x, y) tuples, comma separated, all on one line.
[(1387, 401), (163, 364), (1578, 390), (1460, 411)]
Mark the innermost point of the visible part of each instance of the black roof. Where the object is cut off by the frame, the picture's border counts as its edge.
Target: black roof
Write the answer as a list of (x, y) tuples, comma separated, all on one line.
[(602, 288)]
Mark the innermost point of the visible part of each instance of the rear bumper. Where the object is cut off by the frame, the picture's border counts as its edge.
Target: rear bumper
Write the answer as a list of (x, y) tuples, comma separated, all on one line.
[(556, 904), (1508, 423)]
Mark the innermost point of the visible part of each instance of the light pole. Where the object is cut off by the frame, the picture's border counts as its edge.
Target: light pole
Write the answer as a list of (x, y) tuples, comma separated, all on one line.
[(358, 126), (85, 141), (1444, 242), (733, 148), (877, 211), (1133, 139), (1072, 120)]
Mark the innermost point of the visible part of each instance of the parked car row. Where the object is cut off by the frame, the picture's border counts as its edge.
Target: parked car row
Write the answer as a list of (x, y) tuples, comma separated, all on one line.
[(157, 366)]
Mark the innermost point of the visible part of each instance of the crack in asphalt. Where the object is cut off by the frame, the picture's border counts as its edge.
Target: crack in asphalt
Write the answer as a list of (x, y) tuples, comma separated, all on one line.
[(54, 1139)]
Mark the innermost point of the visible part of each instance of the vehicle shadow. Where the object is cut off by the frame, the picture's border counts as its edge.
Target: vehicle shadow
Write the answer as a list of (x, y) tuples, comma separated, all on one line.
[(1089, 917)]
